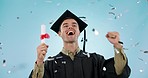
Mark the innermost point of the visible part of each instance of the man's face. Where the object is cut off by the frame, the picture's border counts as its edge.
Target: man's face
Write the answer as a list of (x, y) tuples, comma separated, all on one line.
[(69, 31)]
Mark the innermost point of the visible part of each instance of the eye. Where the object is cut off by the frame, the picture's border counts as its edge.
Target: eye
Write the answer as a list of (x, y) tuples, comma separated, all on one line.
[(74, 25), (65, 26)]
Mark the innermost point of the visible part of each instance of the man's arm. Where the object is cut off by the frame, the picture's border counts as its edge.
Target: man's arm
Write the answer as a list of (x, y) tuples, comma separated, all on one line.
[(38, 71), (120, 60), (110, 71), (118, 66)]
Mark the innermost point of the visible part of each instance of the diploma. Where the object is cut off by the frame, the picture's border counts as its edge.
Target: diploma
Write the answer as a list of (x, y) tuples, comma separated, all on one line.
[(44, 35)]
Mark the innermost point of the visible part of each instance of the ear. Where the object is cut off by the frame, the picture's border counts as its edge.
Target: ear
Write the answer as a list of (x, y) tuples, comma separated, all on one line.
[(59, 33)]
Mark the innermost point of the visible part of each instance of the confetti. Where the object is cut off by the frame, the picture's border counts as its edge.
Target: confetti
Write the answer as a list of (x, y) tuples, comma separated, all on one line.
[(115, 17), (85, 20), (104, 68), (138, 1), (125, 48), (1, 43), (134, 45), (51, 22), (145, 51), (131, 38), (9, 72), (83, 17), (30, 11), (137, 44), (18, 17), (63, 62), (112, 13), (141, 70), (15, 68), (82, 40), (86, 40), (122, 28), (95, 31), (58, 4), (112, 7), (141, 59), (4, 63), (118, 16)]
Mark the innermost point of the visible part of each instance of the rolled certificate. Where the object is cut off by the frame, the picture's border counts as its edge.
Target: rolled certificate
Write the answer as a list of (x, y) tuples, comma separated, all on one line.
[(44, 35), (43, 31)]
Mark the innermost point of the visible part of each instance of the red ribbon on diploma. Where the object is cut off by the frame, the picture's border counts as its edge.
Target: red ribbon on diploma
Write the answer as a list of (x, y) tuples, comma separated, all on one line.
[(43, 36)]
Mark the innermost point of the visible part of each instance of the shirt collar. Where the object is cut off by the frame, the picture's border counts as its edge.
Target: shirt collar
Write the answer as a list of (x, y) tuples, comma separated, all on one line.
[(67, 52)]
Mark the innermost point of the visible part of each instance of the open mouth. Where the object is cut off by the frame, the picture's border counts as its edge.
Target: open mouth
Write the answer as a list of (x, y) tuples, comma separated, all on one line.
[(70, 33)]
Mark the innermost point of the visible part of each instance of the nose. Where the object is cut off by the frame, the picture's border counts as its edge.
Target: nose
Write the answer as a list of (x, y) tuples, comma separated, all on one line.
[(69, 27)]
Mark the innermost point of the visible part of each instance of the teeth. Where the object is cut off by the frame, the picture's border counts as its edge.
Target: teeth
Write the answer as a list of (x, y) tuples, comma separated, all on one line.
[(70, 33)]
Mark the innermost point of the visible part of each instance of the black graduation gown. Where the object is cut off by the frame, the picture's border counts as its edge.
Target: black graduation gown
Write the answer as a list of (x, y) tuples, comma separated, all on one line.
[(83, 66)]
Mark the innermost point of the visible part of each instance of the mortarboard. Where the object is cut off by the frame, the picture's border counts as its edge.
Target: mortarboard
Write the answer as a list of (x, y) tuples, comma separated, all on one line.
[(67, 14)]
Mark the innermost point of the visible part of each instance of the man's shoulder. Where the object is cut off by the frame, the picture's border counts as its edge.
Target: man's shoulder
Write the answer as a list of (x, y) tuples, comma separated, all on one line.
[(51, 58)]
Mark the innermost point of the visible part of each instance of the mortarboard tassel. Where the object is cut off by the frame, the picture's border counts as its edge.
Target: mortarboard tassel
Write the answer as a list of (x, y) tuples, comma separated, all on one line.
[(84, 40)]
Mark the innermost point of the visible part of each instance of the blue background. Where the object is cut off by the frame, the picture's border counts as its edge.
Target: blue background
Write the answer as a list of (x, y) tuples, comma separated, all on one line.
[(20, 22)]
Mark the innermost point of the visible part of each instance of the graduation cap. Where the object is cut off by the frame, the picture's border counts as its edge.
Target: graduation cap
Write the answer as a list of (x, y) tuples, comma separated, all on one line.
[(67, 14)]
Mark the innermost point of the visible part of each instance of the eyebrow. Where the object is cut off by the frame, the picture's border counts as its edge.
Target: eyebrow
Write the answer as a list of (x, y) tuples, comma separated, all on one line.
[(65, 23), (72, 23)]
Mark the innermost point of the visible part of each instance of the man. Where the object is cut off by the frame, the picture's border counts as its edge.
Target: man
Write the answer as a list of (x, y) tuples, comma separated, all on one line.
[(72, 62)]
